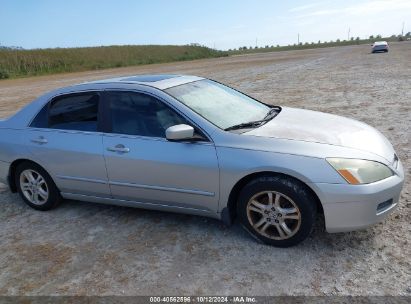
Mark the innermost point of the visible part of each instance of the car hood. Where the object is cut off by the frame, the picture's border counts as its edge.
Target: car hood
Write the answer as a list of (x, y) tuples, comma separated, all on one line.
[(312, 126)]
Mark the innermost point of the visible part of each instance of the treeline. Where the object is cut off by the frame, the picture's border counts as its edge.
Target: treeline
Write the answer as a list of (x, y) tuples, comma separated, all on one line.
[(318, 44), (16, 62)]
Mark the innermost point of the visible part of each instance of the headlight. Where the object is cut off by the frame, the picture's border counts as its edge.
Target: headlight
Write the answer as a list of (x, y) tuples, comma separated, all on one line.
[(359, 171)]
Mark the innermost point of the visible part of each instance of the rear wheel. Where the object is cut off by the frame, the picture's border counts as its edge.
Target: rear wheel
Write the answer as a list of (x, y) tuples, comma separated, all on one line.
[(279, 211), (36, 187)]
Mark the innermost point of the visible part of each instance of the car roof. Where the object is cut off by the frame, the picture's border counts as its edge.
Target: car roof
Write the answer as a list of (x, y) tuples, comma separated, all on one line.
[(156, 81), (159, 81)]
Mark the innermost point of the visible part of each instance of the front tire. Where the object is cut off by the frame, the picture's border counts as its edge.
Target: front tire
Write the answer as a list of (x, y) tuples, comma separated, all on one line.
[(279, 210), (36, 187)]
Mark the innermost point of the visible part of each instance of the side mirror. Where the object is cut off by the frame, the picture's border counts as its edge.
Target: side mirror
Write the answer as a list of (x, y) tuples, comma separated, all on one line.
[(180, 132)]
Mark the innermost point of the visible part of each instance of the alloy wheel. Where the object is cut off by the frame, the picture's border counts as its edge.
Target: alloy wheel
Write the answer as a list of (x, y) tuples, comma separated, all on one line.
[(34, 187), (273, 215)]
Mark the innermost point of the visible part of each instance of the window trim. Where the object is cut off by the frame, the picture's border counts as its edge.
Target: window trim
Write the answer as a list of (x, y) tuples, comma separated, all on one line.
[(64, 95), (107, 128)]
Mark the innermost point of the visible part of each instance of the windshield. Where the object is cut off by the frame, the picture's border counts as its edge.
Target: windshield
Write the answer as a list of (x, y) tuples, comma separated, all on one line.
[(221, 105)]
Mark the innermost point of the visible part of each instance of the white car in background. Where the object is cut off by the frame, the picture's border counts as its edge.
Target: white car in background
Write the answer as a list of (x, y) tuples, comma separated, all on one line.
[(380, 46)]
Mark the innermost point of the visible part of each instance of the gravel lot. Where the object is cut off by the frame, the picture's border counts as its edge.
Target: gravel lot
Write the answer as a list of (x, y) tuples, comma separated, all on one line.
[(88, 249)]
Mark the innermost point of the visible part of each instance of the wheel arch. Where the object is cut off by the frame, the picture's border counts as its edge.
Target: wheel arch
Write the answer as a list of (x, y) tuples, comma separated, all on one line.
[(12, 171), (229, 213)]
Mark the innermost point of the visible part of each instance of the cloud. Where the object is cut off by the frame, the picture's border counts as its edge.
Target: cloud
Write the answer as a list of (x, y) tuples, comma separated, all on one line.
[(304, 7), (323, 12), (365, 8), (378, 6)]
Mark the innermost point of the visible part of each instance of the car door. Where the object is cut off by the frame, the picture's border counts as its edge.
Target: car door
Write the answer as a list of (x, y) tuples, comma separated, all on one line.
[(145, 167), (65, 139)]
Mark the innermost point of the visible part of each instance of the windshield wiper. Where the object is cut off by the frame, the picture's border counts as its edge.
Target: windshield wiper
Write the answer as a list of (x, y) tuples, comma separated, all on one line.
[(270, 115), (246, 125), (253, 124)]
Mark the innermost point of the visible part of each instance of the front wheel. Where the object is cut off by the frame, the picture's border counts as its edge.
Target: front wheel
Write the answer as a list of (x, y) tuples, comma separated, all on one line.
[(279, 211), (36, 187)]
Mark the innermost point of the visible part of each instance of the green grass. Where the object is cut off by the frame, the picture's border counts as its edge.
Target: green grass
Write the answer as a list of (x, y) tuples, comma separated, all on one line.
[(20, 63)]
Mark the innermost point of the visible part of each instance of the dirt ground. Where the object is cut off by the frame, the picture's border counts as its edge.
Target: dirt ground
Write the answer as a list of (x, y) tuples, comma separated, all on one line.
[(88, 249)]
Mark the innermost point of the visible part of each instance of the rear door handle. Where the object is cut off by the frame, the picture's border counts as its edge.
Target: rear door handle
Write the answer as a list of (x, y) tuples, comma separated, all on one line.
[(119, 148), (40, 140)]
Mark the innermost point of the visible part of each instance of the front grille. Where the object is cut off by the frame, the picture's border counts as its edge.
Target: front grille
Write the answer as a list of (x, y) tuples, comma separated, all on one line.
[(384, 205)]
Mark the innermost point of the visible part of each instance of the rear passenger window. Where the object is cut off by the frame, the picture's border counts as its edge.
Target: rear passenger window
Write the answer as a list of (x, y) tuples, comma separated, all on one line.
[(74, 112), (41, 120)]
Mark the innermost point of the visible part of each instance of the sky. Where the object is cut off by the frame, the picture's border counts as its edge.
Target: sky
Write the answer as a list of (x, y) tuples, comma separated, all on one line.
[(221, 24)]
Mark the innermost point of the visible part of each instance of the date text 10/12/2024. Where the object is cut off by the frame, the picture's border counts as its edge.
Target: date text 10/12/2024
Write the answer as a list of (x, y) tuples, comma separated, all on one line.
[(203, 299)]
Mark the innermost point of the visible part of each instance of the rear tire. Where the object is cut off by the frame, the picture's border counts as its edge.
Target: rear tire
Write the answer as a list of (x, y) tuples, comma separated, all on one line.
[(36, 187), (278, 210)]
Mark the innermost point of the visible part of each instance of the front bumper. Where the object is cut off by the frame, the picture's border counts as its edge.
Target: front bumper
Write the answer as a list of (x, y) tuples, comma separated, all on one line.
[(352, 207)]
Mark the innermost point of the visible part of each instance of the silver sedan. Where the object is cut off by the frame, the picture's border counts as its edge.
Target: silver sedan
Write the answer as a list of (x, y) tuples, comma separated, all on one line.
[(192, 145)]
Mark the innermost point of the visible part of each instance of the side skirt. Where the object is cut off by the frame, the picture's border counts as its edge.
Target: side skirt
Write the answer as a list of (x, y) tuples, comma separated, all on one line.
[(134, 204)]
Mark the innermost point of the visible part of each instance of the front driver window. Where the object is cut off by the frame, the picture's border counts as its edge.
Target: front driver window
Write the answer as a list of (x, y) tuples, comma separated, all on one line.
[(140, 114)]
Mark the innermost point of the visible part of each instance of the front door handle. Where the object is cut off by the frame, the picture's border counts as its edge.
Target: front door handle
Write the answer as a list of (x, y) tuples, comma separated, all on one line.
[(119, 148), (39, 140)]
